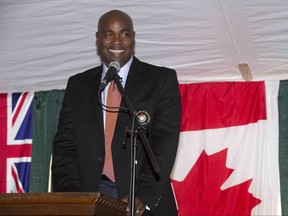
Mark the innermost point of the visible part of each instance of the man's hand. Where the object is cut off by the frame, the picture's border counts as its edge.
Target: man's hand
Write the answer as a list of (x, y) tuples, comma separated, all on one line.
[(139, 206)]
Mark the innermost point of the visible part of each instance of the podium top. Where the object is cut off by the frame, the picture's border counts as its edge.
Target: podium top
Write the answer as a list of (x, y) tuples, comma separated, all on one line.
[(61, 203)]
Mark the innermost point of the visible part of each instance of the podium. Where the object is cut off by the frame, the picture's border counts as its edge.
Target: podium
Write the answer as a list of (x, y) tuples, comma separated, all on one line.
[(60, 203)]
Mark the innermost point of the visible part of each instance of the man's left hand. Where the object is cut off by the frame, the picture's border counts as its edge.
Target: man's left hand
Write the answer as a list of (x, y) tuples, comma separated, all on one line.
[(139, 206)]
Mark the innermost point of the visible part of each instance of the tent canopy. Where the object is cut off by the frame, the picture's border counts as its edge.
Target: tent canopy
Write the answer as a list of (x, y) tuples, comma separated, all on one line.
[(42, 43)]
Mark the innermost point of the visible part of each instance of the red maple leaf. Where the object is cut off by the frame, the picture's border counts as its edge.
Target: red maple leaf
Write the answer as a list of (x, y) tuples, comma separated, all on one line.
[(200, 193)]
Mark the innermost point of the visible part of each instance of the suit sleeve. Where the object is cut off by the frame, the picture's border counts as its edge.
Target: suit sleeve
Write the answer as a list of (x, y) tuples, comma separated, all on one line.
[(65, 167), (164, 142)]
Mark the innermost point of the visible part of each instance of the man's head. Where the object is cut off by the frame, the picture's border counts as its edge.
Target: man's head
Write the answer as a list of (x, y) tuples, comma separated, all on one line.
[(115, 37)]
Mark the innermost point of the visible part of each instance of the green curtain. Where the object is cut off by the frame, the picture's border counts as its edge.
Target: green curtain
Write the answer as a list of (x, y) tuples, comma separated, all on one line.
[(283, 143), (46, 107)]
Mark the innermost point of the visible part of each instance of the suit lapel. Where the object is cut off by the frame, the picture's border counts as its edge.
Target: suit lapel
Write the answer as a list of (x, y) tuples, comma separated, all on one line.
[(134, 79), (93, 86)]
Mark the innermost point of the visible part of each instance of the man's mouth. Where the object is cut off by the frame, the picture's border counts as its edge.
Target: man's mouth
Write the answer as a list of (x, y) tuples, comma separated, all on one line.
[(116, 51)]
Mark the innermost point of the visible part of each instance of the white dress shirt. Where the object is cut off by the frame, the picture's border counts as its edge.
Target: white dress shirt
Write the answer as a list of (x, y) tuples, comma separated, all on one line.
[(123, 73)]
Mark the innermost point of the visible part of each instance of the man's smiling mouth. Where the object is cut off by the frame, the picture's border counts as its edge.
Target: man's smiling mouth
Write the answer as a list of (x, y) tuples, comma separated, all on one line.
[(116, 51)]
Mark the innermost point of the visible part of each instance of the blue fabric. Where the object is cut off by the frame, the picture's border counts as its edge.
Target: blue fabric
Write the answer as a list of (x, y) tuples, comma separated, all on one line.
[(108, 187)]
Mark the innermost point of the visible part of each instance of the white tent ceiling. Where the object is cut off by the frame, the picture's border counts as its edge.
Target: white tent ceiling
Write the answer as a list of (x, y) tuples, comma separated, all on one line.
[(42, 43)]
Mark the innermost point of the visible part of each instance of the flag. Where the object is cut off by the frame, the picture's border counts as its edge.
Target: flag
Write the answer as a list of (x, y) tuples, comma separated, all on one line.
[(227, 156), (15, 141), (227, 160)]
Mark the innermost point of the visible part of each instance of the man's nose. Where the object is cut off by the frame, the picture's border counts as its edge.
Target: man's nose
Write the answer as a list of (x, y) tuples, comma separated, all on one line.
[(116, 39)]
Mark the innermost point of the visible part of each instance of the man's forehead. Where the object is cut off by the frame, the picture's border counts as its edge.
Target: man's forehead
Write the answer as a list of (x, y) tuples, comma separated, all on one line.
[(115, 18)]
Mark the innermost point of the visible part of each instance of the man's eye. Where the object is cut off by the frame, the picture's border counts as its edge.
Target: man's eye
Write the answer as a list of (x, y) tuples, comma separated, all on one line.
[(125, 34), (108, 34)]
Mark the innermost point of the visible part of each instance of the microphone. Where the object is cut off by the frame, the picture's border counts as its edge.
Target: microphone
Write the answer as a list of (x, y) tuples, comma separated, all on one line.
[(114, 68)]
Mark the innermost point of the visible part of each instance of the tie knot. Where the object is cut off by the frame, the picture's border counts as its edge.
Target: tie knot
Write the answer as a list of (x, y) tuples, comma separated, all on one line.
[(113, 97), (113, 85)]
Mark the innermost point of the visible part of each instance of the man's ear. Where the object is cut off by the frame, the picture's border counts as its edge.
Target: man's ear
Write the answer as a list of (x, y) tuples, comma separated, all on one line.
[(96, 35)]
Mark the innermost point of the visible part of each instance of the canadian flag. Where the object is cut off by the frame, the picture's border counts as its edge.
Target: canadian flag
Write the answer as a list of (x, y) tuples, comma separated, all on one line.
[(227, 160)]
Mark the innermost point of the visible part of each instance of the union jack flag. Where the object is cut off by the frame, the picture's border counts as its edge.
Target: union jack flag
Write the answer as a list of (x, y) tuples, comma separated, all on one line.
[(15, 141)]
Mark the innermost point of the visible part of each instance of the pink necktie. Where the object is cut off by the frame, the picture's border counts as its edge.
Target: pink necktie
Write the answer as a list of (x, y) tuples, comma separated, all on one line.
[(113, 100)]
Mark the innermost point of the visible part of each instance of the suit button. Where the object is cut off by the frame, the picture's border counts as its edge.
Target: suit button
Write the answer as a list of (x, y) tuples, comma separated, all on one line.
[(101, 158)]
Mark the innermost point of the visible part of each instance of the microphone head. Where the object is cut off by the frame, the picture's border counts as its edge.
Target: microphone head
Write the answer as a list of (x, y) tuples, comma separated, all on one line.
[(116, 65)]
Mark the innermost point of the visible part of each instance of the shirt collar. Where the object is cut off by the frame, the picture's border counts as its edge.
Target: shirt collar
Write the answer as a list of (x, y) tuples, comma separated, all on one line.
[(123, 73)]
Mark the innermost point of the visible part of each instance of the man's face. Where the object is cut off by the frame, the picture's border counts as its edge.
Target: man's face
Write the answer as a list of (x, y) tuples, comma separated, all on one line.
[(115, 39)]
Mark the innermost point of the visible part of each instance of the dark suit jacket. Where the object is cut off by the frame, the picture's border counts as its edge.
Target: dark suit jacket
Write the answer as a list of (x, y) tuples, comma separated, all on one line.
[(78, 151)]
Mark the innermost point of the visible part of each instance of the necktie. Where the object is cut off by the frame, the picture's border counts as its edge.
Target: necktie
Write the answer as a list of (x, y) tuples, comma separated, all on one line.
[(113, 100)]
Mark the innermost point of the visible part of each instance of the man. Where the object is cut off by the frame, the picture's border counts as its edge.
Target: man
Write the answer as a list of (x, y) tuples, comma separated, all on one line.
[(79, 144)]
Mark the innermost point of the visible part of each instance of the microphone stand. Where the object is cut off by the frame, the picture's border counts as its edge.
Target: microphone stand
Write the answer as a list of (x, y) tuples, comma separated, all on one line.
[(151, 156)]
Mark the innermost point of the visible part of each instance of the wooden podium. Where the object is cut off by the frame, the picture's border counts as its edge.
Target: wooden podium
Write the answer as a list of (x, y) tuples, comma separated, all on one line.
[(68, 203)]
